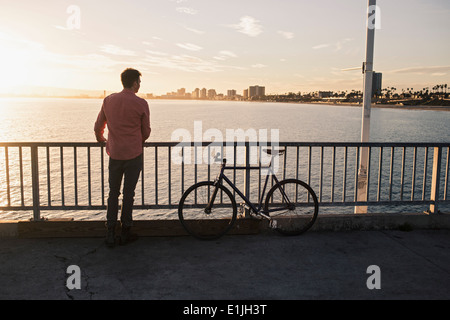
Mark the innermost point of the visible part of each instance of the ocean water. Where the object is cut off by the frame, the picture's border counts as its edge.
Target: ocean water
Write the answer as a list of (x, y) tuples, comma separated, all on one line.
[(72, 120)]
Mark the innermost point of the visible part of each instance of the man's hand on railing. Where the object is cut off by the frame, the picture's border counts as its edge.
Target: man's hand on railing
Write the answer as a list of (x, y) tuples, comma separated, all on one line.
[(101, 140)]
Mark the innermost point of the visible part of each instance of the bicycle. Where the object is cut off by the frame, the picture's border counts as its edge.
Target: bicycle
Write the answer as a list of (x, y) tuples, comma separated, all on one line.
[(290, 205)]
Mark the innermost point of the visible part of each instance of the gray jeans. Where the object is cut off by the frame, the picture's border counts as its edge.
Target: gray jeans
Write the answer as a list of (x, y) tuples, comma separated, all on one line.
[(129, 171)]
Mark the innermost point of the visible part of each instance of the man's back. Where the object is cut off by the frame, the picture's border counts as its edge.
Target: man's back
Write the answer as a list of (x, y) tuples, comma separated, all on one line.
[(128, 119)]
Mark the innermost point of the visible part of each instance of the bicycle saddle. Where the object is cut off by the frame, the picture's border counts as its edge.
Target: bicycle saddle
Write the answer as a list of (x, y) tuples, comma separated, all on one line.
[(274, 152)]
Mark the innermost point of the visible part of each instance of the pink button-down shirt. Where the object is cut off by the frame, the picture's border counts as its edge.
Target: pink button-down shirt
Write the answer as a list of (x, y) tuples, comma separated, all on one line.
[(128, 119)]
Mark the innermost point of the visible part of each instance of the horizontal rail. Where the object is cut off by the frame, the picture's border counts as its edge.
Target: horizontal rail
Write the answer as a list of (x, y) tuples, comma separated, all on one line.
[(40, 176), (235, 143)]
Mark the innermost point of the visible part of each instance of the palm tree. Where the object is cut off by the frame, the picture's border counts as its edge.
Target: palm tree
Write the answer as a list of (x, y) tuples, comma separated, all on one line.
[(435, 89)]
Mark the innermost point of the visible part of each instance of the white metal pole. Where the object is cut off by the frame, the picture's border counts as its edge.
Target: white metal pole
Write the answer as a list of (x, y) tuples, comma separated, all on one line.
[(367, 100)]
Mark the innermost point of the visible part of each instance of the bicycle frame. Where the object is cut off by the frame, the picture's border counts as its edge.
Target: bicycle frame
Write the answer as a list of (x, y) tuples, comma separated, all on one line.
[(257, 210)]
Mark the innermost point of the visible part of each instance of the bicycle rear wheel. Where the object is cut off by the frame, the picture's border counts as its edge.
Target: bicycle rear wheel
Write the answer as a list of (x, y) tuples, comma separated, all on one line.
[(293, 207), (200, 222)]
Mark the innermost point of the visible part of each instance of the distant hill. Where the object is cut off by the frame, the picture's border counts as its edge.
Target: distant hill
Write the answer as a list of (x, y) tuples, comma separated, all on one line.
[(38, 91)]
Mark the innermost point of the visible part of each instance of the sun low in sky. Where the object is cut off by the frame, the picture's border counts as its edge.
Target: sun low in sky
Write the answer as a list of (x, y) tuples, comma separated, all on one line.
[(284, 45)]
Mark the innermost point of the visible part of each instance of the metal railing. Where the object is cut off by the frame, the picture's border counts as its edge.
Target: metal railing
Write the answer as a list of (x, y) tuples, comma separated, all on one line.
[(74, 176)]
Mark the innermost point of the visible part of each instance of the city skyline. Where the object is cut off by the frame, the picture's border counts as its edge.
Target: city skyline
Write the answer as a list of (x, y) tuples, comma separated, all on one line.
[(288, 46), (211, 93)]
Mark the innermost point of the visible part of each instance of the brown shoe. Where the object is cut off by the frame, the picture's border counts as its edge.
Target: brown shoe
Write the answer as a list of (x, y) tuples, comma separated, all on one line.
[(110, 237), (127, 236)]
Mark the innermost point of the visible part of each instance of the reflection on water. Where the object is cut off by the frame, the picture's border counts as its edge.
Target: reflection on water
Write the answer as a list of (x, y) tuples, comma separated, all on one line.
[(64, 120)]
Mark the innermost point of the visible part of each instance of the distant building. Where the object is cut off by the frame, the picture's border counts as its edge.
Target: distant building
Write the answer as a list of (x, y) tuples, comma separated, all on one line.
[(324, 94), (211, 93), (377, 81), (181, 92), (256, 91), (196, 93), (245, 94), (231, 93), (203, 93)]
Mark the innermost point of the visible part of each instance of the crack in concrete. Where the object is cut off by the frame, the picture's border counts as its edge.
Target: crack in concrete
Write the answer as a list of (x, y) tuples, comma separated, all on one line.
[(394, 238)]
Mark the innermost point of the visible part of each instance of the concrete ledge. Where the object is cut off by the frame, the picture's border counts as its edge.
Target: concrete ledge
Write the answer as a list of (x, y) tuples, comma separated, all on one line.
[(68, 228), (385, 221), (8, 229)]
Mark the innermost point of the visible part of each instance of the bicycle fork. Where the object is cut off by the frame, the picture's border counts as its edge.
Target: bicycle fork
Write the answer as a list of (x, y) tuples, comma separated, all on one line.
[(211, 201), (214, 194)]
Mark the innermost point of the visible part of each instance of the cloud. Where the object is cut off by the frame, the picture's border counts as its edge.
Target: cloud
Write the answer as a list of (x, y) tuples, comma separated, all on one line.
[(337, 46), (18, 42), (258, 66), (115, 50), (433, 70), (340, 44), (224, 55), (186, 63), (286, 34), (439, 74), (37, 57), (321, 46), (156, 53), (189, 46), (60, 27), (86, 62), (183, 62), (249, 26), (194, 30), (187, 10)]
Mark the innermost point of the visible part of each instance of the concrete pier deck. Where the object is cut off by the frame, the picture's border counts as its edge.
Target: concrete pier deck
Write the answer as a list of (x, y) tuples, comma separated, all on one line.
[(264, 266)]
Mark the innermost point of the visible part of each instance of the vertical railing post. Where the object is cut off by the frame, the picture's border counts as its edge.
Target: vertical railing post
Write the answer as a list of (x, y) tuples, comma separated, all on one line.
[(437, 157), (247, 177), (35, 182)]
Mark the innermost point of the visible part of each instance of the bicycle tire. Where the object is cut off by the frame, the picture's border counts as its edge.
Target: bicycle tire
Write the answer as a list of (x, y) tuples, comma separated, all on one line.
[(202, 225), (296, 219)]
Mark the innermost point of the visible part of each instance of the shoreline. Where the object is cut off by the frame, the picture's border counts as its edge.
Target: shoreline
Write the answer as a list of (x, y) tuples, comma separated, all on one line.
[(380, 106), (359, 105), (326, 103)]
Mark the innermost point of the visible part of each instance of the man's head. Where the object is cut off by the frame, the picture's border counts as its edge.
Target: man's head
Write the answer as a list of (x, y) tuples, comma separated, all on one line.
[(131, 79)]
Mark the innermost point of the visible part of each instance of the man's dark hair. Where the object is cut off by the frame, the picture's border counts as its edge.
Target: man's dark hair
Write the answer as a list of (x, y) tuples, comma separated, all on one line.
[(129, 76)]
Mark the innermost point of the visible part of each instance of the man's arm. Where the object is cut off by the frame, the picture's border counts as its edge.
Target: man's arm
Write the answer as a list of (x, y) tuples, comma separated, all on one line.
[(100, 125), (145, 124)]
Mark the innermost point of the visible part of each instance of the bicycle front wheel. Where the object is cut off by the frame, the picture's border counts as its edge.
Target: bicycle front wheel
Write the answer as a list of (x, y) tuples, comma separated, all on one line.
[(293, 207), (203, 218)]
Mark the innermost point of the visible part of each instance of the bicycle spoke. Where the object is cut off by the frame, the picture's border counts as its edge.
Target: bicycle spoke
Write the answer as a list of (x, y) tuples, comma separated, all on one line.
[(293, 207), (201, 220)]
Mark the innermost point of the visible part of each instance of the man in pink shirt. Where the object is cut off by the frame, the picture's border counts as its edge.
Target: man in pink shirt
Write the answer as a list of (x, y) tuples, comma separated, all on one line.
[(128, 119)]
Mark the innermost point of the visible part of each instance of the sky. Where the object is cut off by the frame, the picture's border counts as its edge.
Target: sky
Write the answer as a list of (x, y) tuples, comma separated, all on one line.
[(284, 45)]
